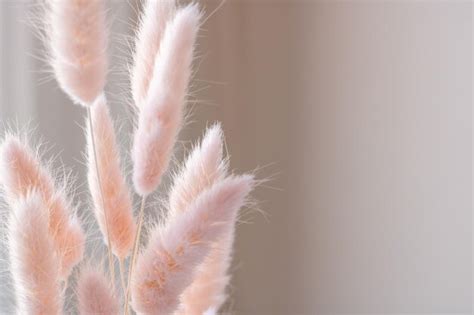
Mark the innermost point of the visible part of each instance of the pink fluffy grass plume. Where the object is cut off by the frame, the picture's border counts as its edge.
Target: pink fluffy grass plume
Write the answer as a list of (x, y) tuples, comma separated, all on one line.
[(203, 167), (167, 265), (95, 294), (156, 15), (112, 200), (183, 268), (161, 116), (34, 266), (77, 40), (21, 172)]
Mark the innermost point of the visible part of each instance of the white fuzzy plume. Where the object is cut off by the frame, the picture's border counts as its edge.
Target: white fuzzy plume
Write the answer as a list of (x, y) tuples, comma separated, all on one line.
[(34, 264), (203, 167), (95, 294), (20, 173), (169, 262), (161, 117), (112, 200), (156, 15), (76, 32)]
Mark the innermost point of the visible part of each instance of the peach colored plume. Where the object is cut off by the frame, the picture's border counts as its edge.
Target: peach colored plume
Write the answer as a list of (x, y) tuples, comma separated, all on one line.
[(161, 116), (77, 41), (34, 265), (21, 173), (169, 262), (116, 202), (156, 14), (202, 169), (95, 294), (208, 289)]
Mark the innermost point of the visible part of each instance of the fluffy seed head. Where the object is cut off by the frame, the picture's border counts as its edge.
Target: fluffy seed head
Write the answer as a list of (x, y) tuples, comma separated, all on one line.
[(203, 167), (95, 294), (76, 32), (116, 204), (156, 14), (21, 173), (208, 289), (169, 262), (161, 116), (34, 264)]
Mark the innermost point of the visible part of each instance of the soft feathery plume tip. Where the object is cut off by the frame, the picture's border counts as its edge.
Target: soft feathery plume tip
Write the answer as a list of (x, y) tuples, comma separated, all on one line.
[(203, 167), (34, 264), (95, 294), (169, 262), (115, 204), (22, 172), (156, 15), (77, 40), (161, 116)]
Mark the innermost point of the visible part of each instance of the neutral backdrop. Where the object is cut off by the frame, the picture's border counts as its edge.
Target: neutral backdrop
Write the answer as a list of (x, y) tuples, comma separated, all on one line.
[(359, 113)]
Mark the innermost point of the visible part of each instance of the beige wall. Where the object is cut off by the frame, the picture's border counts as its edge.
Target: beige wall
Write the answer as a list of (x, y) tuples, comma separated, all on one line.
[(365, 109), (360, 111)]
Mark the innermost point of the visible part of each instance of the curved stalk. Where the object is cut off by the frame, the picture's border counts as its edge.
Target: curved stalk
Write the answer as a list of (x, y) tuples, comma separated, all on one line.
[(122, 276), (134, 254)]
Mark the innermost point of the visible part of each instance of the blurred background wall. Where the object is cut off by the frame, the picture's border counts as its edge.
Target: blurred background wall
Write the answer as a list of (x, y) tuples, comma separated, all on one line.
[(359, 111)]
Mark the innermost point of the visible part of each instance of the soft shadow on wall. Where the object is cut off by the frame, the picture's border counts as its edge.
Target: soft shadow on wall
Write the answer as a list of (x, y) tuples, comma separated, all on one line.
[(365, 110)]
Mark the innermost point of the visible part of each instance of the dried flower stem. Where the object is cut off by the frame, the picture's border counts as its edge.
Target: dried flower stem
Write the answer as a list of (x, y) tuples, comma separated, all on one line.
[(109, 247), (122, 276), (135, 252), (65, 284)]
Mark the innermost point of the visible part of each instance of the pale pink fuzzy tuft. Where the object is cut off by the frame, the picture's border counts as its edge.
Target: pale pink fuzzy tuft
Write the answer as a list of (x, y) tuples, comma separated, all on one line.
[(208, 289), (78, 43), (21, 173), (95, 294), (34, 264), (161, 116), (156, 14), (116, 197), (170, 260), (203, 167)]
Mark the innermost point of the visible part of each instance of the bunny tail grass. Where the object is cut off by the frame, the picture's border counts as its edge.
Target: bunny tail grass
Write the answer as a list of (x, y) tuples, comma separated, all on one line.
[(156, 15), (161, 116), (34, 265), (21, 173), (208, 290), (116, 204), (168, 264), (77, 40), (202, 169), (95, 294)]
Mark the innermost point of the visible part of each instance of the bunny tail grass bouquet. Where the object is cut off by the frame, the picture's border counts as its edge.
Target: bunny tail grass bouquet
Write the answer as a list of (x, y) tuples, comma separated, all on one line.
[(182, 265)]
